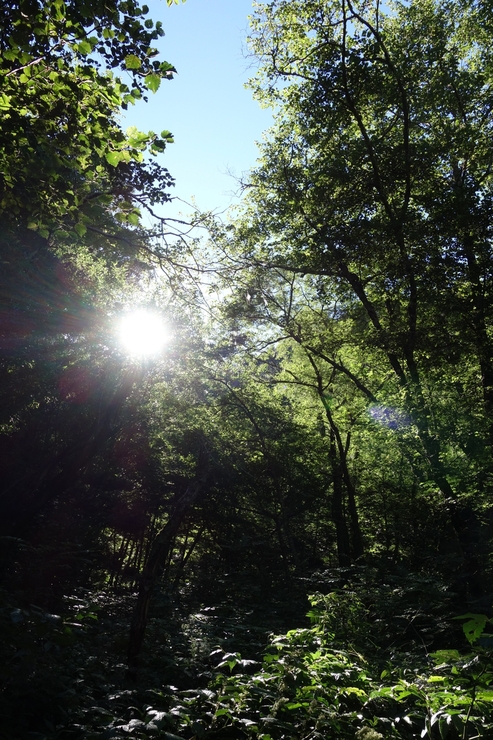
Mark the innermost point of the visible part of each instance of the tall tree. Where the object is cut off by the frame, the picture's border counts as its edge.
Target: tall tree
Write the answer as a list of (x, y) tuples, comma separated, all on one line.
[(376, 177)]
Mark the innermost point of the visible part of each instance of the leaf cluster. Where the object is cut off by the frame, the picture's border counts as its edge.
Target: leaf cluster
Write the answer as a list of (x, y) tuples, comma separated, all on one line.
[(61, 142)]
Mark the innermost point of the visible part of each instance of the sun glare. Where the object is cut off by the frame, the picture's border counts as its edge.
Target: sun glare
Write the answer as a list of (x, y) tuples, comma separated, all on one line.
[(143, 333)]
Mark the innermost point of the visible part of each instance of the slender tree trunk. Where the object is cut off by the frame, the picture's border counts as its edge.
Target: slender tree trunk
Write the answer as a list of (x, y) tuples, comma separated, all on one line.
[(153, 569), (416, 402), (186, 555), (484, 347), (356, 535), (342, 534), (118, 564), (461, 517), (282, 543), (342, 478)]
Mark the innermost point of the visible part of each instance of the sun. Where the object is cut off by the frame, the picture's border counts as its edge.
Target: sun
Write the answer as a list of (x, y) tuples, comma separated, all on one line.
[(143, 333)]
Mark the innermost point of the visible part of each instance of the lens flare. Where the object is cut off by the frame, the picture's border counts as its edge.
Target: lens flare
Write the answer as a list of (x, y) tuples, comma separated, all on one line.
[(389, 417)]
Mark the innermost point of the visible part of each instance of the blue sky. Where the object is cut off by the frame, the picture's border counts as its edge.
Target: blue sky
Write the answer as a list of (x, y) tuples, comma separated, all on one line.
[(214, 120)]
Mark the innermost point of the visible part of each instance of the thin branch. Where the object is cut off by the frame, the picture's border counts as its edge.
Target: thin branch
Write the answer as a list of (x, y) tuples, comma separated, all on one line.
[(343, 369), (25, 66)]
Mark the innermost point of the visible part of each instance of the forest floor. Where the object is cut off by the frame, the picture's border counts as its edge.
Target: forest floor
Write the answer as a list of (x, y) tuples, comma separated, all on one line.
[(212, 668)]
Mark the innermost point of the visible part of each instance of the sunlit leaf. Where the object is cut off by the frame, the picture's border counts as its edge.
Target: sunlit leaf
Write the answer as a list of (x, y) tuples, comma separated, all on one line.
[(152, 82), (132, 62)]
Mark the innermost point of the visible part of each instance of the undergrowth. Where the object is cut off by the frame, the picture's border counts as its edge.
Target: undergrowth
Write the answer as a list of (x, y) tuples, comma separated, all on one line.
[(377, 659)]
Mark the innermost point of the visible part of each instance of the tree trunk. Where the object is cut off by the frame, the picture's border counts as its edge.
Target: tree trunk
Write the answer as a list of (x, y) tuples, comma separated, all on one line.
[(153, 569), (421, 414), (342, 534), (356, 536)]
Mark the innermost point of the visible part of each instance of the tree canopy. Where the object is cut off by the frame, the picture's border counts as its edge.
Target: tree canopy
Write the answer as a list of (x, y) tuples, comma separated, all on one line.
[(376, 181)]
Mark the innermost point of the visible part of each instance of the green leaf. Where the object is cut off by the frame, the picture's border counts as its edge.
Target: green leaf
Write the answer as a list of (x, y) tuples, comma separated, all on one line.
[(137, 138), (84, 47), (445, 656), (152, 82), (113, 158), (474, 627), (80, 228), (166, 67), (132, 62), (355, 690)]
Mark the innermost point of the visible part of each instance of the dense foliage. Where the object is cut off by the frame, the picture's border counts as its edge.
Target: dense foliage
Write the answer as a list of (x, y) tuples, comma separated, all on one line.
[(367, 222), (319, 430)]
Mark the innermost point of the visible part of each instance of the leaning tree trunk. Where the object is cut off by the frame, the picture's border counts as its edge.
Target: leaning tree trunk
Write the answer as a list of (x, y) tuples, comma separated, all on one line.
[(153, 569), (409, 379)]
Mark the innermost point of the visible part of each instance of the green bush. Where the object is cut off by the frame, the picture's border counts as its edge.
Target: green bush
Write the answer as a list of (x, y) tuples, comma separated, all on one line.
[(313, 684)]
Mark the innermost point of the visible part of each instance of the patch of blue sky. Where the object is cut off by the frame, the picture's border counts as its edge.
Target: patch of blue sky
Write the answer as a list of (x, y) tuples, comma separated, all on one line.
[(213, 118)]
